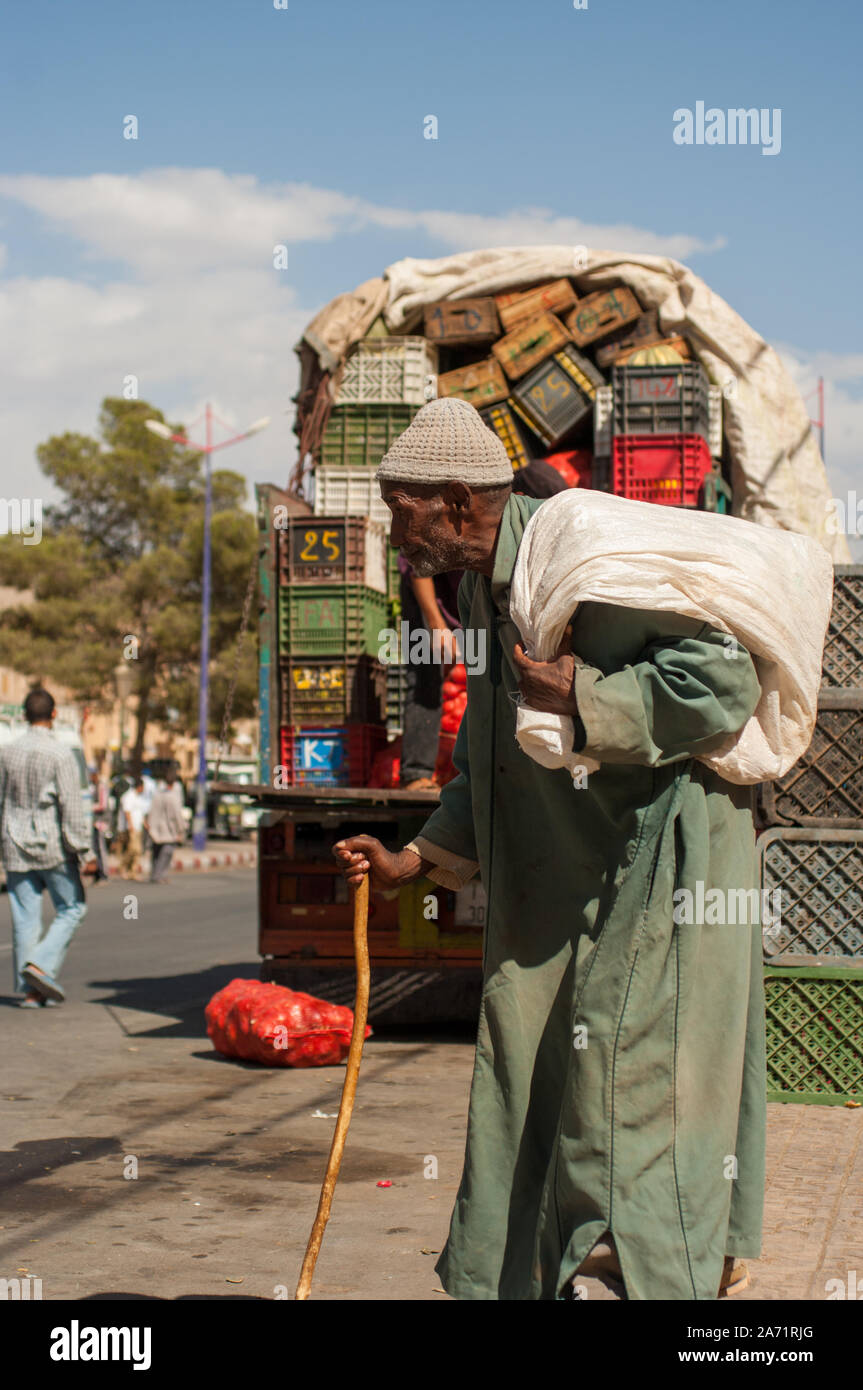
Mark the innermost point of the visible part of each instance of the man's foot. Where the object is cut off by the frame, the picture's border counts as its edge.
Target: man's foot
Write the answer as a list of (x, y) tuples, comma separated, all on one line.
[(735, 1277), (421, 784), (32, 1000), (42, 983)]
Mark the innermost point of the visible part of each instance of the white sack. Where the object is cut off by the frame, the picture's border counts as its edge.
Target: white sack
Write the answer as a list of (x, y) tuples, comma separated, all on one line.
[(770, 589)]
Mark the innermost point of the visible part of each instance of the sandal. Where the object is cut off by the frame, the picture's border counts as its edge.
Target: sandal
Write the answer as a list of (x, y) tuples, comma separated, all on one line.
[(421, 784), (735, 1277)]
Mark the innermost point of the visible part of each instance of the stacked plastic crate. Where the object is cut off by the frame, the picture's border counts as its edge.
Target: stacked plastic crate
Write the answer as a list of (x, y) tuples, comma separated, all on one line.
[(534, 389), (332, 604), (658, 435), (811, 858), (535, 363), (384, 382)]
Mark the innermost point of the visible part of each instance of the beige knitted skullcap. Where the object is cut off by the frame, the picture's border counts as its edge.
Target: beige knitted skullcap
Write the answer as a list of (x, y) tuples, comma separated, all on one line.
[(447, 442)]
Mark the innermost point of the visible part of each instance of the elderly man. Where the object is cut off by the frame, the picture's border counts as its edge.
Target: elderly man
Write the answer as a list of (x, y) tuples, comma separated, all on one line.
[(617, 1112)]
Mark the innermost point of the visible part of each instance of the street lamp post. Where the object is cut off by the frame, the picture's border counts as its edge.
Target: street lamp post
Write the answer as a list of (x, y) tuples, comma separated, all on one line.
[(123, 681), (199, 820)]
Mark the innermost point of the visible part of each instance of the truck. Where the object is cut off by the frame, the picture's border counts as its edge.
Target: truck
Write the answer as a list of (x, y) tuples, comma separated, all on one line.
[(584, 360), (425, 941)]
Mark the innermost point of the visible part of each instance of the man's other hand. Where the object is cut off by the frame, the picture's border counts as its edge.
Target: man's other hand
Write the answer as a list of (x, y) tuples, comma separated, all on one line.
[(547, 686)]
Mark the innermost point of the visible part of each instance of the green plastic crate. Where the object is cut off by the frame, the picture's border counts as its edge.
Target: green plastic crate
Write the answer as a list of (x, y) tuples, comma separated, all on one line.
[(393, 575), (814, 1034), (330, 620), (359, 435)]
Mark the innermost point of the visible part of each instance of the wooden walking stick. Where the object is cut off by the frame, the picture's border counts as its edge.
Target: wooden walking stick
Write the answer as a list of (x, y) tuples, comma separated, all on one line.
[(346, 1105)]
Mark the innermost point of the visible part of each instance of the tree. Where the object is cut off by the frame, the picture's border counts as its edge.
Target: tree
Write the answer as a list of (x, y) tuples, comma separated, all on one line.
[(117, 574)]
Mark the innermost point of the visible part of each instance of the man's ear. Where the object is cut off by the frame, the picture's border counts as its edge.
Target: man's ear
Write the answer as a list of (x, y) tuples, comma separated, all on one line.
[(458, 495)]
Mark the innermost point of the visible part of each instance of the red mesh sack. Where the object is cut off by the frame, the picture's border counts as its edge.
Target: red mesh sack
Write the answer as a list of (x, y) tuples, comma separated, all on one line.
[(278, 1027)]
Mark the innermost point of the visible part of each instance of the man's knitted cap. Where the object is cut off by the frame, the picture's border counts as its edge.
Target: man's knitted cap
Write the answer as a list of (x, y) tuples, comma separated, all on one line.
[(447, 442)]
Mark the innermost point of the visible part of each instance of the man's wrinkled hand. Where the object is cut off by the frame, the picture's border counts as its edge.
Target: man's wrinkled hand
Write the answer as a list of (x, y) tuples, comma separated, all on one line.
[(547, 686), (363, 854)]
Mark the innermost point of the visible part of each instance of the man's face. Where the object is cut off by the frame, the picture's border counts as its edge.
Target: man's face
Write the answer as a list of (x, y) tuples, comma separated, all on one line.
[(422, 529)]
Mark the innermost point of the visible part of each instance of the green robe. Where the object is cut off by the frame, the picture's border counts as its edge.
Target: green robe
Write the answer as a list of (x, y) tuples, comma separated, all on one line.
[(619, 1079)]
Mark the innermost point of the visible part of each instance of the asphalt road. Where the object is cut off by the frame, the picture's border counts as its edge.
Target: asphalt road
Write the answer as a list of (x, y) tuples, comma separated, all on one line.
[(136, 1162), (229, 1157)]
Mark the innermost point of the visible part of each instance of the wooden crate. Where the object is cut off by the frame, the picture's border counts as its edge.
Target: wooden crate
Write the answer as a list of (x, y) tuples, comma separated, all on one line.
[(647, 326), (680, 345), (461, 322), (600, 314), (482, 383), (529, 344), (555, 297)]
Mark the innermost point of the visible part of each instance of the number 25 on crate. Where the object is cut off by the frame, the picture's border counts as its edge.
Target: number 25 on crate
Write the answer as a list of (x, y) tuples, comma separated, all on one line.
[(337, 549)]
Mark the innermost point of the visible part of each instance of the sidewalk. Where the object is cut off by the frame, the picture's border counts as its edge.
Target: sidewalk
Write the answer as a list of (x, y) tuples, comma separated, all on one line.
[(218, 854)]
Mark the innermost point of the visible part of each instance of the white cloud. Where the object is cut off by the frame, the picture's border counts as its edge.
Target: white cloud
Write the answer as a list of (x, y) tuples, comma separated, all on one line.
[(189, 219), (201, 313), (223, 334)]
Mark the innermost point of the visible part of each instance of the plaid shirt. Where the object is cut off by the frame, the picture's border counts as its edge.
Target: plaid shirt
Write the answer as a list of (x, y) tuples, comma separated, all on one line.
[(42, 817)]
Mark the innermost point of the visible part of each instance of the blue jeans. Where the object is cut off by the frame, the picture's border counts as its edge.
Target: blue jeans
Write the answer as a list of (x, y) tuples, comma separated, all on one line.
[(25, 899)]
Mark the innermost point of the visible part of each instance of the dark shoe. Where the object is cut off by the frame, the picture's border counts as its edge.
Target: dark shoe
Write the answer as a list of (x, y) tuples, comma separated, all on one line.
[(42, 983)]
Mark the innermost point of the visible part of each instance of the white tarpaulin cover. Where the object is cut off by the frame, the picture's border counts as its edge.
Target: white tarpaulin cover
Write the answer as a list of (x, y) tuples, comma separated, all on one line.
[(769, 589), (778, 476)]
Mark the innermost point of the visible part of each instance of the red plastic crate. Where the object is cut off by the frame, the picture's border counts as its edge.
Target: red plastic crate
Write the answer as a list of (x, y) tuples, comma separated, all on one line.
[(665, 468), (575, 466), (330, 755)]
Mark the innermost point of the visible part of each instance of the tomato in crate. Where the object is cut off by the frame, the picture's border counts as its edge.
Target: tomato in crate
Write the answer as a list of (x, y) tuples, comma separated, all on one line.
[(575, 466)]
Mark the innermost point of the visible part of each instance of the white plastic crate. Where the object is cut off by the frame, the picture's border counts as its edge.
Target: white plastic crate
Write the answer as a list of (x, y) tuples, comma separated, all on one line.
[(350, 492), (714, 419), (389, 371), (603, 410)]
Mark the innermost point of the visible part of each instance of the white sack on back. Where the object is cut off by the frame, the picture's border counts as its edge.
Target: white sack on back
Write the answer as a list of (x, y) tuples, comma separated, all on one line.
[(769, 589)]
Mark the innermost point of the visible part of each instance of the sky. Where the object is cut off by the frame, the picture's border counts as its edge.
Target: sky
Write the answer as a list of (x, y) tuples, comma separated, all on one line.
[(303, 125)]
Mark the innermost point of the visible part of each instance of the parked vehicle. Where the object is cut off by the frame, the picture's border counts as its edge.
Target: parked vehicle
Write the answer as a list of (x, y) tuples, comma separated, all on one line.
[(233, 815)]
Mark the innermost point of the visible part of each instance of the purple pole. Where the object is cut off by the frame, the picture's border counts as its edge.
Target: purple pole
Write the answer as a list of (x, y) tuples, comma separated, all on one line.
[(199, 823)]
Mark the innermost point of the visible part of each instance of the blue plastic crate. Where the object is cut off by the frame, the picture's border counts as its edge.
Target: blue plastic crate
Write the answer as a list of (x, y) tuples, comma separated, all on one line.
[(331, 755)]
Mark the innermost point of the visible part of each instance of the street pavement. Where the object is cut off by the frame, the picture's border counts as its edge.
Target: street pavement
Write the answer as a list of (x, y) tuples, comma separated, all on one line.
[(136, 1162)]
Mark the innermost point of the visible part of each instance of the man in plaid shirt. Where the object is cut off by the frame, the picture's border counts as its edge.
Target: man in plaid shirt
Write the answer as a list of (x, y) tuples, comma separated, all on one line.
[(44, 838)]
